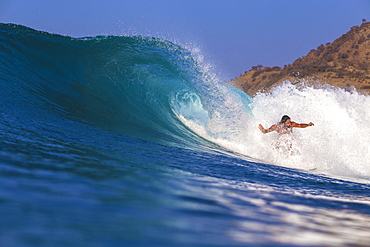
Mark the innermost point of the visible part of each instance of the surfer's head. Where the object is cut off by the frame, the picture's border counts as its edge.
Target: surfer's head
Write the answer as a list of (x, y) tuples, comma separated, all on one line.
[(284, 118)]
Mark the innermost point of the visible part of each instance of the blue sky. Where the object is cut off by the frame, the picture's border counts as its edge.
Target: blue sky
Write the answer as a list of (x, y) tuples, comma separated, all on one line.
[(233, 35)]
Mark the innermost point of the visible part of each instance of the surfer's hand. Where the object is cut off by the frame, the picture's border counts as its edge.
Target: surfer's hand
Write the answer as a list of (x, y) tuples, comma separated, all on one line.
[(261, 128)]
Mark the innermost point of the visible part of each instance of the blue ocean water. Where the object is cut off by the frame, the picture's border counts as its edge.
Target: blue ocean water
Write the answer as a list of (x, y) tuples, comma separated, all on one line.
[(132, 141)]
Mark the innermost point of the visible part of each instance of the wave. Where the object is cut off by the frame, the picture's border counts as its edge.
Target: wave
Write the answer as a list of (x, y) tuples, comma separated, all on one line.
[(156, 90), (117, 83)]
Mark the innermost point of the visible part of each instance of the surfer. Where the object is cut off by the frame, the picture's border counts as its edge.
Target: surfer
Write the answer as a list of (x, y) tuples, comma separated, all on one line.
[(285, 126)]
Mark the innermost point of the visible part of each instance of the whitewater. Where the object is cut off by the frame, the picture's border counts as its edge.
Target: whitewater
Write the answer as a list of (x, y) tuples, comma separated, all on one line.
[(134, 141)]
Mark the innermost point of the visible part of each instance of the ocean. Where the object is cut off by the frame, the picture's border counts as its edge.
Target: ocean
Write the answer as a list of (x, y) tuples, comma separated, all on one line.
[(134, 141)]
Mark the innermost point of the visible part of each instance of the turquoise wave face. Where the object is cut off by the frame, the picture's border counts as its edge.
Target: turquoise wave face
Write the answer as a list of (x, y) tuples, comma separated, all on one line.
[(116, 83), (132, 85)]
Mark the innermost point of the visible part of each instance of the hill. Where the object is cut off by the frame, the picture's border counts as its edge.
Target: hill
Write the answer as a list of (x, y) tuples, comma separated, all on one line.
[(343, 63)]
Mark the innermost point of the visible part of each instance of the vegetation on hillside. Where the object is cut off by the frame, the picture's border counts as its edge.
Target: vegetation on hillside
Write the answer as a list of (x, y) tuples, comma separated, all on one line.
[(342, 62)]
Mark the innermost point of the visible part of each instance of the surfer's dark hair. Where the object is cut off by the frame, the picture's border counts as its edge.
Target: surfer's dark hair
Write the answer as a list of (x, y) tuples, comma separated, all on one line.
[(284, 118)]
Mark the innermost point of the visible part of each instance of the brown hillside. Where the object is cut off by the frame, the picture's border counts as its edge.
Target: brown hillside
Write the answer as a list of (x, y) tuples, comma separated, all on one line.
[(343, 63)]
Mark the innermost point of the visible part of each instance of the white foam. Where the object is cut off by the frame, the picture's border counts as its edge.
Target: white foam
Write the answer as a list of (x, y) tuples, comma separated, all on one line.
[(338, 144)]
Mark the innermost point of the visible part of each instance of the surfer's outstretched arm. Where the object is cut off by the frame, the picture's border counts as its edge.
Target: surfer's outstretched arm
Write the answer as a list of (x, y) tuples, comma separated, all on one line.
[(264, 131), (303, 125)]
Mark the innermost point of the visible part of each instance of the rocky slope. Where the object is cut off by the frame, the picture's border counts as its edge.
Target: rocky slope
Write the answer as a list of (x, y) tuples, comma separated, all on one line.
[(343, 63)]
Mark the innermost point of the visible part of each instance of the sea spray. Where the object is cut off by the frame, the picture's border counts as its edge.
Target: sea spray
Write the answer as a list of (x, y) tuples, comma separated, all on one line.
[(337, 144)]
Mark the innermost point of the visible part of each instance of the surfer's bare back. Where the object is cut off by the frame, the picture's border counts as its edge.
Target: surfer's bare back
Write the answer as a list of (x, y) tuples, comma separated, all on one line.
[(285, 126)]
